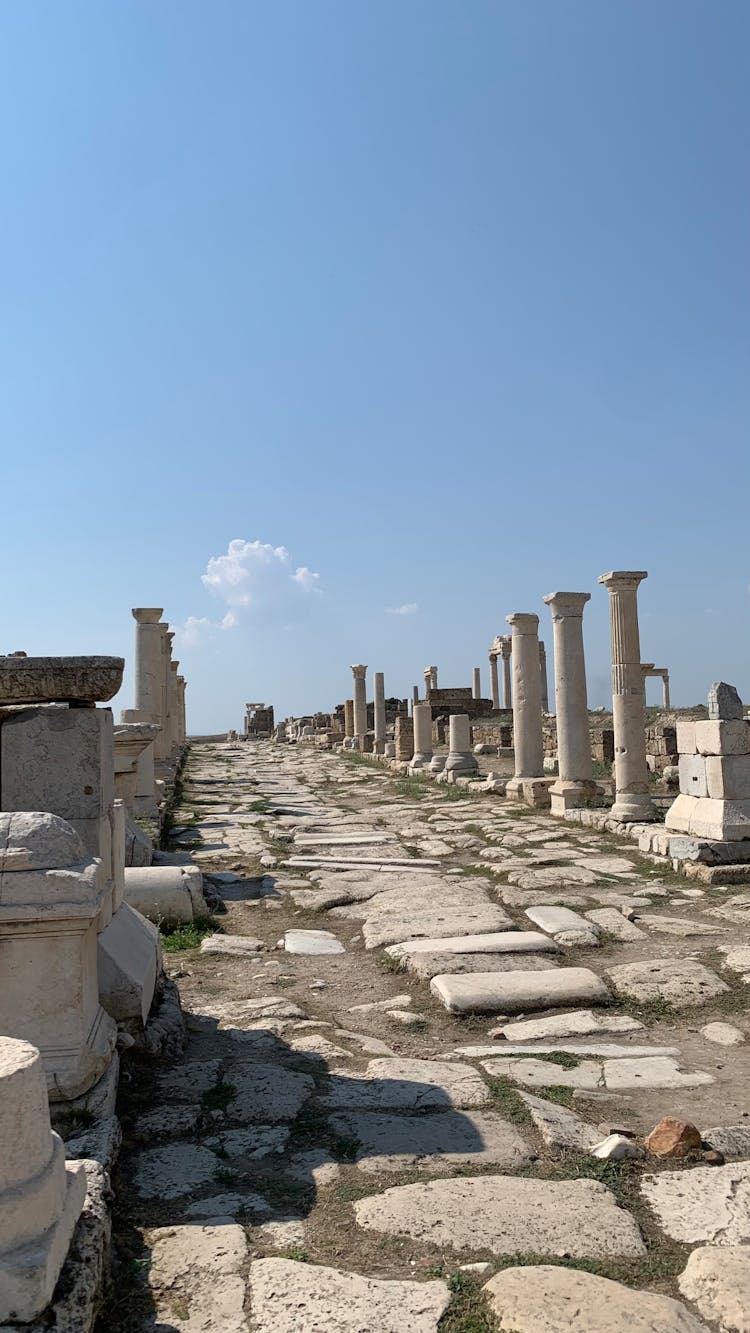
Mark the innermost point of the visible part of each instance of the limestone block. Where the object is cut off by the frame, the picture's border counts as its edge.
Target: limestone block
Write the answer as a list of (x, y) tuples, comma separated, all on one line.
[(686, 743), (518, 992), (163, 894), (339, 1302), (722, 737), (129, 955), (720, 821), (548, 1299), (728, 777), (717, 1280), (59, 679), (58, 759), (724, 702), (692, 771), (41, 1195)]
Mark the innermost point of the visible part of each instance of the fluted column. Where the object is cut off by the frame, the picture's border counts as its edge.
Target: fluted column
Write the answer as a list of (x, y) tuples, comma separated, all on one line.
[(543, 682), (360, 703), (422, 736), (527, 696), (632, 799), (379, 710), (506, 649), (575, 783), (494, 682), (476, 688)]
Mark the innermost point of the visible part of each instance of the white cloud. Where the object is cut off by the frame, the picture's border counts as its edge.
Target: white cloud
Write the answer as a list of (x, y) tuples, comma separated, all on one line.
[(257, 575), (306, 579), (406, 609), (194, 631)]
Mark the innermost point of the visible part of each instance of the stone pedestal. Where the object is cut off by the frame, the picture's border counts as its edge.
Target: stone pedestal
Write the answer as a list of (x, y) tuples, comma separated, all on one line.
[(714, 766), (494, 683), (379, 712), (50, 902), (133, 741), (575, 784), (146, 800), (460, 758), (404, 738), (505, 643), (41, 1195), (422, 736), (633, 802), (527, 702), (360, 701)]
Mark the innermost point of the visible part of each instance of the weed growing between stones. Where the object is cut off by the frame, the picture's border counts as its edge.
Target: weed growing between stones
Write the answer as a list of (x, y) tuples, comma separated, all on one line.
[(218, 1097), (188, 936), (468, 1311), (507, 1101)]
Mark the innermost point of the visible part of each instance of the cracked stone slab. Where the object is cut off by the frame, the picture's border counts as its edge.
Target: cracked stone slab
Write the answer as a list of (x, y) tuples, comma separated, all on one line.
[(229, 1205), (196, 1275), (431, 920), (707, 1204), (237, 945), (551, 1299), (682, 982), (544, 1074), (519, 992), (507, 1215), (267, 1092), (241, 1013), (286, 1296), (717, 1281), (407, 1085), (256, 1142), (447, 1139), (551, 877), (580, 1022), (564, 926), (616, 925), (679, 925)]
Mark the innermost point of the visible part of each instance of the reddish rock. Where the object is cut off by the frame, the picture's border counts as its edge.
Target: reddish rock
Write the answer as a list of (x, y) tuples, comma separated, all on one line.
[(673, 1138)]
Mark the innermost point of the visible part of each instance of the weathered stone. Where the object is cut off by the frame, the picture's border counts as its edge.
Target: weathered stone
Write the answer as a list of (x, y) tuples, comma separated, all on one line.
[(174, 1169), (723, 1034), (616, 925), (196, 1274), (268, 1093), (707, 1203), (428, 965), (239, 946), (563, 925), (579, 1023), (559, 1127), (616, 1148), (507, 1215), (564, 1300), (283, 1292), (386, 927), (519, 992), (432, 1142), (508, 941), (724, 703), (312, 942), (25, 680), (680, 981), (731, 1140), (407, 1085), (717, 1281)]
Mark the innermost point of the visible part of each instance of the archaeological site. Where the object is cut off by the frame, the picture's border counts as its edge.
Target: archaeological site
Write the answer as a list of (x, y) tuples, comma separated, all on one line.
[(421, 1015)]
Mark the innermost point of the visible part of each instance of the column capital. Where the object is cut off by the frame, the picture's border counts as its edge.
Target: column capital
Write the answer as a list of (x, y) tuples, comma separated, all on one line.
[(622, 580), (147, 615), (524, 622), (564, 605), (505, 644), (359, 672)]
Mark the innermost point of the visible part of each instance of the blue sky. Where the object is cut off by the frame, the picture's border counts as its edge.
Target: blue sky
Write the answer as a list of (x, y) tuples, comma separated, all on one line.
[(449, 301)]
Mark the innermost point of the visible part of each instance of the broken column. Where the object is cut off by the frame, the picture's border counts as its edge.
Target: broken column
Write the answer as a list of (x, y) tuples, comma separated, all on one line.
[(494, 682), (505, 642), (41, 1195), (527, 703), (360, 704), (575, 783), (476, 688), (632, 799), (348, 719), (543, 683), (714, 764), (460, 758), (379, 712), (422, 736)]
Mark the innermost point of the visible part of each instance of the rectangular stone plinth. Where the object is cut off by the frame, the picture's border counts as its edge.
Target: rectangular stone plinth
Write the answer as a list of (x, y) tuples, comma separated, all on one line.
[(710, 820)]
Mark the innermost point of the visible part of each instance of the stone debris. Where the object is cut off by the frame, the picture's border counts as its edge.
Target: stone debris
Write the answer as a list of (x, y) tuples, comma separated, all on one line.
[(616, 1147), (286, 1297), (723, 1034), (730, 1140), (507, 1215), (547, 1299), (717, 1281)]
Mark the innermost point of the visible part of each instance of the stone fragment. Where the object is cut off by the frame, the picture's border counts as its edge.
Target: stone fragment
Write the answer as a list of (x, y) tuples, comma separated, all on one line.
[(545, 1299), (552, 877), (196, 1277), (447, 1139), (682, 982), (519, 992), (559, 1127), (395, 1000), (312, 942), (717, 1281), (673, 1138), (723, 1034), (724, 703), (428, 965), (508, 941), (507, 1215), (286, 1296), (706, 1203), (616, 1148), (236, 945), (407, 1085), (679, 925), (615, 924), (731, 1140)]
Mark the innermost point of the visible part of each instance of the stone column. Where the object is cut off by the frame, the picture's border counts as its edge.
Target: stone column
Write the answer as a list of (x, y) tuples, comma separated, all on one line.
[(665, 691), (476, 687), (41, 1195), (433, 678), (181, 705), (632, 799), (348, 718), (543, 683), (527, 697), (427, 681), (460, 758), (575, 783), (506, 642), (148, 663), (415, 694), (360, 703), (379, 711), (422, 736), (174, 708), (494, 683)]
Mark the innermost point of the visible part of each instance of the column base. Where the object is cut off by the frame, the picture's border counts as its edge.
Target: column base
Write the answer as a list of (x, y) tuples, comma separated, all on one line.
[(28, 1274), (461, 763), (633, 808), (531, 791), (570, 794), (420, 761)]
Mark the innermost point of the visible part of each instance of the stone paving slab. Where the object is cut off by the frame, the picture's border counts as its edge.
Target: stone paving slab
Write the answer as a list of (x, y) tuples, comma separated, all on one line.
[(407, 1085), (616, 925), (429, 965), (291, 1297), (508, 941), (507, 1215), (519, 992), (580, 1022), (706, 1204), (313, 942), (682, 982), (550, 1299), (717, 1281), (174, 1169), (446, 1139), (560, 1128), (387, 928), (267, 1092)]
